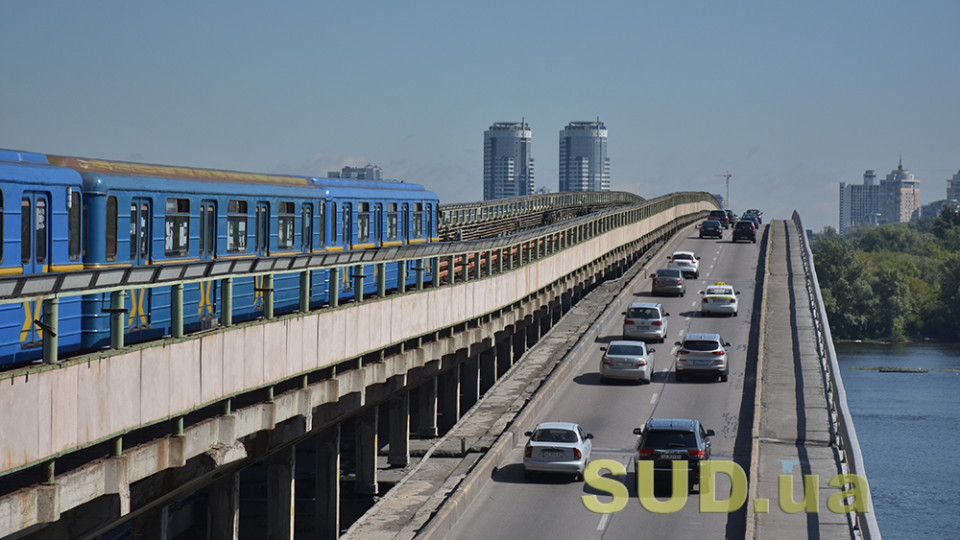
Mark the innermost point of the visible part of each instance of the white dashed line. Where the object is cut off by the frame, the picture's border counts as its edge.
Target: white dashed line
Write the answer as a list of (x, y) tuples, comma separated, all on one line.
[(603, 522), (653, 398)]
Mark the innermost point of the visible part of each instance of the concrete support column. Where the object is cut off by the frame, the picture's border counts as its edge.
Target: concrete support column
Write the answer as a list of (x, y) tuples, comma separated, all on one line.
[(488, 369), (504, 355), (327, 484), (428, 409), (519, 340), (533, 328), (366, 474), (399, 430), (469, 383), (280, 492), (151, 525), (224, 497), (448, 384)]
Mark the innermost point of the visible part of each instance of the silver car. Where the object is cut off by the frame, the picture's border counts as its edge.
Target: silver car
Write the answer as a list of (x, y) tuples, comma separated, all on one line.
[(646, 321), (668, 281), (627, 360), (702, 354), (557, 447)]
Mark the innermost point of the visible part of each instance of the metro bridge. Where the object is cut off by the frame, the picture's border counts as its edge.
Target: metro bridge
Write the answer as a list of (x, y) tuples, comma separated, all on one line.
[(118, 440)]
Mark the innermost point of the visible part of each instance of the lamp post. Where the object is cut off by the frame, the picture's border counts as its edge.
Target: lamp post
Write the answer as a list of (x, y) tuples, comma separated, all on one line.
[(726, 198)]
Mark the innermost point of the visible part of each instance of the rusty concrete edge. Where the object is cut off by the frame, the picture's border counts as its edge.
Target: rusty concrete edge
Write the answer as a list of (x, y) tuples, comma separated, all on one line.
[(476, 479), (751, 524)]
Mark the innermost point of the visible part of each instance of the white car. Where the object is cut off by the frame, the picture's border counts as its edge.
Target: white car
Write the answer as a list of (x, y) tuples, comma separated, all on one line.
[(719, 298), (645, 321), (627, 360), (687, 262), (557, 447)]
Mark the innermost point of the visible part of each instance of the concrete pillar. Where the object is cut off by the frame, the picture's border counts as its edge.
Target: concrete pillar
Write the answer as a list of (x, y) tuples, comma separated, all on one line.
[(151, 525), (280, 490), (488, 369), (428, 408), (469, 383), (327, 484), (519, 340), (399, 430), (224, 503), (504, 355), (448, 398), (366, 474), (533, 328)]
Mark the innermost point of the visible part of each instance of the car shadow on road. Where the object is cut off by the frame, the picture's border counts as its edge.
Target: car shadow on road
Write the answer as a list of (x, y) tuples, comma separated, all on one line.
[(513, 474), (608, 339)]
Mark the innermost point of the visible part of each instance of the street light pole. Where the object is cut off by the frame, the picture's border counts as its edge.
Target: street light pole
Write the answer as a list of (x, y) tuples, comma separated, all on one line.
[(726, 198)]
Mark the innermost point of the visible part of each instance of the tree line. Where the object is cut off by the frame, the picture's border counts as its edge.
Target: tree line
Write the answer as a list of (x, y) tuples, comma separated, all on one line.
[(895, 282)]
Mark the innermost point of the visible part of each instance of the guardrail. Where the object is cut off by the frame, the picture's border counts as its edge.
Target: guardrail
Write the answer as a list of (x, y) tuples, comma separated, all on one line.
[(452, 215), (516, 249), (849, 445)]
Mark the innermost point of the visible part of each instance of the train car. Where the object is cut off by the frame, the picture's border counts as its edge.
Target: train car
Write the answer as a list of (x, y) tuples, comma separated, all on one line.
[(40, 228), (140, 214)]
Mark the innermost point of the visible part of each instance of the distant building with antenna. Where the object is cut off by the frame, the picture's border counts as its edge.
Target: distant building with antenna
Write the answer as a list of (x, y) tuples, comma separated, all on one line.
[(507, 160), (584, 165), (895, 199)]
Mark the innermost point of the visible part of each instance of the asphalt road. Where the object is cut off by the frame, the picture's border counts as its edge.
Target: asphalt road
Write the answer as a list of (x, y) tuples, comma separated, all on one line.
[(551, 507)]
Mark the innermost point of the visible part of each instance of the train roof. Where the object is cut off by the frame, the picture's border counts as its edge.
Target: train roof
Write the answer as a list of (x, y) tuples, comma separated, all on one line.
[(34, 168), (100, 174)]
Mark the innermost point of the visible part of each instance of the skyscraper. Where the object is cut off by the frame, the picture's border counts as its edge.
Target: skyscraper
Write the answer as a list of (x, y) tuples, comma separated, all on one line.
[(953, 187), (859, 203), (899, 196), (507, 160), (584, 165)]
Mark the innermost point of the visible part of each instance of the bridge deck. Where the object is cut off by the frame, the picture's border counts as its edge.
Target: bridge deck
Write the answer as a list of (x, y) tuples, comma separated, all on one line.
[(793, 433)]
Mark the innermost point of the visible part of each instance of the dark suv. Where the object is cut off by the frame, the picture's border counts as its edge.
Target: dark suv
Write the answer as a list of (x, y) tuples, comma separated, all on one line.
[(745, 230), (720, 216), (665, 440)]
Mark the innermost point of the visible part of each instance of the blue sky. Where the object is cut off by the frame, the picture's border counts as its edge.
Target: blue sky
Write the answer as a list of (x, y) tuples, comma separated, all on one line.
[(792, 98)]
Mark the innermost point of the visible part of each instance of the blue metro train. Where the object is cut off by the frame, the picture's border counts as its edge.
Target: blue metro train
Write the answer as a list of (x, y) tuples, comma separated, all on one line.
[(77, 213)]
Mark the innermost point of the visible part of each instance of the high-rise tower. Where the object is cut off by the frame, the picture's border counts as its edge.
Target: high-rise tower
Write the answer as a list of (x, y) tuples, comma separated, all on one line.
[(507, 160), (584, 165)]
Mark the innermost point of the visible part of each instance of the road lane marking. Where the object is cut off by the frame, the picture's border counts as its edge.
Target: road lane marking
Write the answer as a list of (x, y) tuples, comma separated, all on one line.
[(653, 398), (603, 522)]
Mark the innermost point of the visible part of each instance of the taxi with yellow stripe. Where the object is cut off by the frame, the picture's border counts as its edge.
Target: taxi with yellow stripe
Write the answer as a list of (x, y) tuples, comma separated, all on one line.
[(719, 298)]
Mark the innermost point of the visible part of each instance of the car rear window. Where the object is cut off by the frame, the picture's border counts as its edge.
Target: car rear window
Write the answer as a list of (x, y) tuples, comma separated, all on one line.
[(744, 225), (554, 435), (668, 272), (643, 313), (700, 345), (718, 290), (626, 350), (683, 256), (669, 439)]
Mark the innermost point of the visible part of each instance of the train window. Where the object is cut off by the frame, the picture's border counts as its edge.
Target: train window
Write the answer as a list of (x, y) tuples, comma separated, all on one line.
[(363, 222), (286, 218), (347, 236), (321, 232), (73, 229), (176, 228), (208, 229), (236, 226), (41, 229), (429, 219), (405, 221), (378, 223), (333, 224), (26, 231), (306, 235), (391, 221), (417, 220), (110, 250), (1, 226), (262, 231)]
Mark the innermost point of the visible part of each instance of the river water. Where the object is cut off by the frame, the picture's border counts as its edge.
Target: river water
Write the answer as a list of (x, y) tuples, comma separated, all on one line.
[(909, 430)]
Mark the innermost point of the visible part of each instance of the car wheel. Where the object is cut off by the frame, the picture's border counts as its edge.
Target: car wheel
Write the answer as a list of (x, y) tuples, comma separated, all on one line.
[(696, 276), (578, 477), (723, 377), (527, 475), (736, 314), (679, 376), (754, 240)]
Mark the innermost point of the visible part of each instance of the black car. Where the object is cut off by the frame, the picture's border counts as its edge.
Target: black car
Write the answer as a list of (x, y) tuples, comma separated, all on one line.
[(745, 230), (720, 216), (712, 228), (665, 440)]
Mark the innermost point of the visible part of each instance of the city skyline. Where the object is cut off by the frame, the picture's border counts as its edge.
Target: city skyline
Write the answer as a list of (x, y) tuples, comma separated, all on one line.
[(792, 99)]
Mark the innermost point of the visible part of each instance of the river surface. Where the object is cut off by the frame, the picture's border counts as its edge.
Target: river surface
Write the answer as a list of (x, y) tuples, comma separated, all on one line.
[(909, 430)]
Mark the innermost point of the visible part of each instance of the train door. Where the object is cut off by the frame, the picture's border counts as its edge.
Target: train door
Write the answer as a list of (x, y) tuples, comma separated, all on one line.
[(34, 232), (405, 230), (347, 227), (207, 307), (262, 231), (34, 256), (306, 224), (140, 299)]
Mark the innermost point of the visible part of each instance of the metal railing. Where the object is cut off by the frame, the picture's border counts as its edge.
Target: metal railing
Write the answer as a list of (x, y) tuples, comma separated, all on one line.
[(847, 441)]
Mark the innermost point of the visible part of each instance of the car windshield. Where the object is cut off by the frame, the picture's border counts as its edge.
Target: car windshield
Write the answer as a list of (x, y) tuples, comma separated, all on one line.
[(697, 345), (625, 350), (668, 272), (643, 313), (554, 435), (669, 439)]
